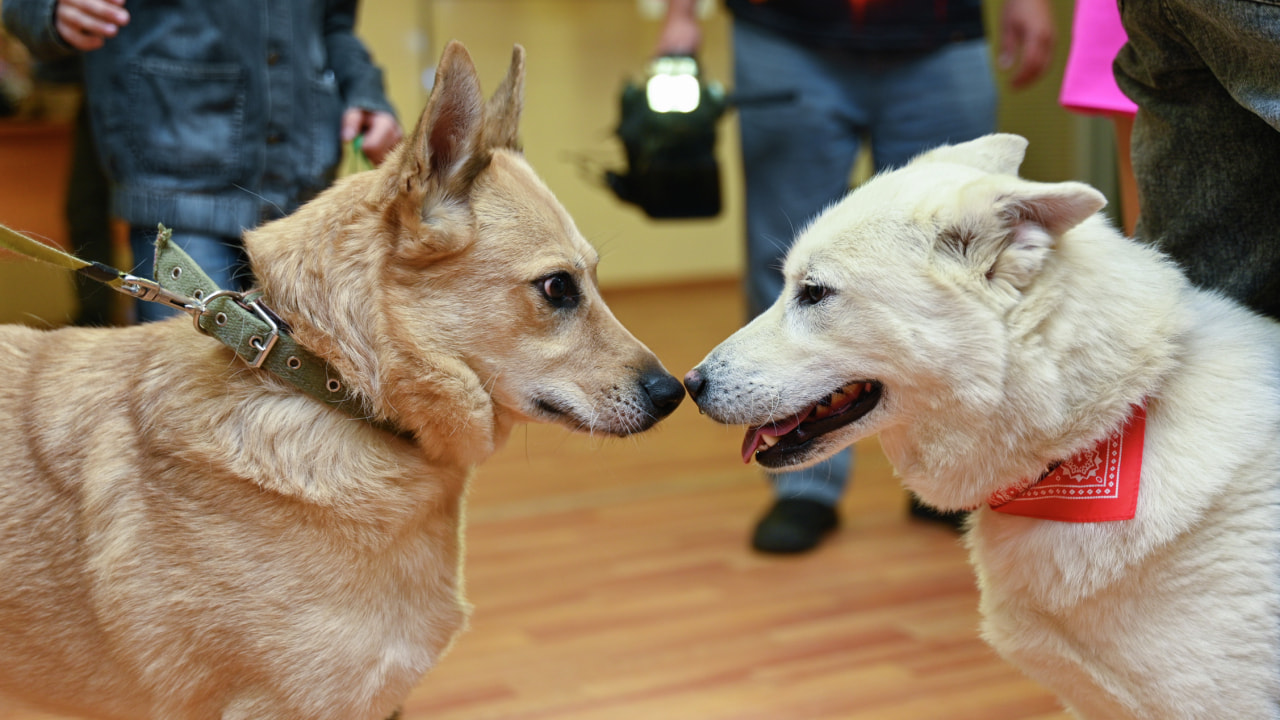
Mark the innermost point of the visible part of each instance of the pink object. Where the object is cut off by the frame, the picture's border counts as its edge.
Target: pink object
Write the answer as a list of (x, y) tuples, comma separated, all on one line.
[(1097, 485), (1088, 84)]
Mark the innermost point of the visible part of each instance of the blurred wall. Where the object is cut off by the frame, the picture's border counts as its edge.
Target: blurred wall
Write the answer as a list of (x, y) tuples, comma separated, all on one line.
[(579, 54), (1034, 112), (395, 31)]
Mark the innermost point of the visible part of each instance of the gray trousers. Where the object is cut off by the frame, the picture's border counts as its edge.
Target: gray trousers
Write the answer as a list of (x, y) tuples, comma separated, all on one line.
[(1206, 142)]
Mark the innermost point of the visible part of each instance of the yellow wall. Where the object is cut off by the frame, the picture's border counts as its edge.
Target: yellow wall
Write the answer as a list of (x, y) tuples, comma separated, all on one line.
[(1034, 112), (32, 293), (579, 54), (395, 31)]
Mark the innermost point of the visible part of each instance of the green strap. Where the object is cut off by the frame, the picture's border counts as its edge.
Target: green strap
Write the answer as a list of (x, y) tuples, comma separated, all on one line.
[(243, 324), (21, 244), (238, 320)]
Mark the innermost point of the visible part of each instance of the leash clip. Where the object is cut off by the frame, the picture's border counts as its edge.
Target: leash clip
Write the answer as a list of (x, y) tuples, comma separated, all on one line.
[(263, 344), (152, 291), (198, 307)]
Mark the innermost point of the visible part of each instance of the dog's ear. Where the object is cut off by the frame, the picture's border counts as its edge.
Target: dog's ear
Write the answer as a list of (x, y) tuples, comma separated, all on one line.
[(1035, 215), (999, 153), (442, 158), (1056, 207), (502, 117)]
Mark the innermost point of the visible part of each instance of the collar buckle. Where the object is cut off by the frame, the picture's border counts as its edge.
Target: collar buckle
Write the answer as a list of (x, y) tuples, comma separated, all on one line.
[(263, 342)]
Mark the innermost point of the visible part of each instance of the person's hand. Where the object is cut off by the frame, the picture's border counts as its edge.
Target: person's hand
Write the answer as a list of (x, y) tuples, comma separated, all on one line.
[(1026, 40), (381, 131), (680, 36), (681, 32), (86, 24)]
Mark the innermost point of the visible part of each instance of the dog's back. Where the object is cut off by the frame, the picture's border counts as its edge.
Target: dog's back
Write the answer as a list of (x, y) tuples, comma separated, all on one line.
[(1176, 613), (144, 541)]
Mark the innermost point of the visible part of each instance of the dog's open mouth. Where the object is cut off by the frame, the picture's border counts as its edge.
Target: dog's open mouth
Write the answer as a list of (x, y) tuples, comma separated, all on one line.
[(836, 410)]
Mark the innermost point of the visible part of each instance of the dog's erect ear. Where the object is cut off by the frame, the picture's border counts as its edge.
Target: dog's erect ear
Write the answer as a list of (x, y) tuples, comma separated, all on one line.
[(1036, 214), (1000, 153), (445, 152), (502, 117)]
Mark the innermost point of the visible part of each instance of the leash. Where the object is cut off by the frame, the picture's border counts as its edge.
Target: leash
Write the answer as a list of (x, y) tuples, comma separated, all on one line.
[(238, 320)]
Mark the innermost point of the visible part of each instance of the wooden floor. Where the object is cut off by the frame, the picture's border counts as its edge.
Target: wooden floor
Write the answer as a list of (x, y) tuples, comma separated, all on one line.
[(612, 580)]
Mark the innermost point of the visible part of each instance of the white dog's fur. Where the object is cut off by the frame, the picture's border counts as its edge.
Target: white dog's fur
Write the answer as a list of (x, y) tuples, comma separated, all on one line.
[(1008, 327)]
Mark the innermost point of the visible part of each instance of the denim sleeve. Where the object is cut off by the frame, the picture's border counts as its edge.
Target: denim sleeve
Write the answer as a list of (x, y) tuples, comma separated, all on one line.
[(31, 22), (359, 80)]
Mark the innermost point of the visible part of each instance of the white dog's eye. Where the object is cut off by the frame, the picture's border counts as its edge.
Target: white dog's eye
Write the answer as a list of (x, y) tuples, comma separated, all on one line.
[(560, 290), (812, 293)]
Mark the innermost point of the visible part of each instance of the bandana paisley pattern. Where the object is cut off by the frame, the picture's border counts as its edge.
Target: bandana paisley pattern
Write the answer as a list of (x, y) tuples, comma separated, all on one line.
[(1099, 484)]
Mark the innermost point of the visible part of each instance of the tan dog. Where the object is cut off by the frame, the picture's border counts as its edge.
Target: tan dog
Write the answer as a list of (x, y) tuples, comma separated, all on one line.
[(183, 537), (988, 328)]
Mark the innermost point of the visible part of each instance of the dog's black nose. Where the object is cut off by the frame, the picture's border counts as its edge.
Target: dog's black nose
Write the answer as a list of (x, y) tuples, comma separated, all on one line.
[(664, 391), (694, 382)]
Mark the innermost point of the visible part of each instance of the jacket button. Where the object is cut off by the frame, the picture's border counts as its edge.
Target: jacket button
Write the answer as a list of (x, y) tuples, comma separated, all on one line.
[(273, 58)]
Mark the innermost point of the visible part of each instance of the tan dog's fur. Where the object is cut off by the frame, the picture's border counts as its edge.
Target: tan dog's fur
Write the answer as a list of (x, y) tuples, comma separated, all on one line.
[(182, 537), (1009, 328)]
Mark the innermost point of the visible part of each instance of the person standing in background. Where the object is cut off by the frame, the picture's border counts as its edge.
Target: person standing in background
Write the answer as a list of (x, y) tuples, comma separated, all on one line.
[(908, 75), (1205, 75), (213, 117)]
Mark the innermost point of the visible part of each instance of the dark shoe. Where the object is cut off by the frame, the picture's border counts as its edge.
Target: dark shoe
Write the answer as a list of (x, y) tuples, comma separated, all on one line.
[(794, 525), (924, 512)]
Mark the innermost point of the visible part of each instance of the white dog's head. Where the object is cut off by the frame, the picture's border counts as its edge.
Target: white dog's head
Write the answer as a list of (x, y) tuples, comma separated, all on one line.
[(898, 306)]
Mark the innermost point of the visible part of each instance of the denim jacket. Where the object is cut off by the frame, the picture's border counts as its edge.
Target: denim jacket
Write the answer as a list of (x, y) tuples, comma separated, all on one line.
[(214, 115)]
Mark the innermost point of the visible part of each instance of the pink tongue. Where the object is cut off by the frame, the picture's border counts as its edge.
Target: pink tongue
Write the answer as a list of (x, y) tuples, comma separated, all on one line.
[(755, 436)]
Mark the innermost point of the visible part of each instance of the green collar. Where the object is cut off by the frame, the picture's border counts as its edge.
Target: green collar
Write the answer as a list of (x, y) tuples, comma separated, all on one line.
[(238, 320)]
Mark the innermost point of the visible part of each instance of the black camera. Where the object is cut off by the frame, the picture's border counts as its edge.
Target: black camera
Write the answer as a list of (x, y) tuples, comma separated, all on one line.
[(668, 130)]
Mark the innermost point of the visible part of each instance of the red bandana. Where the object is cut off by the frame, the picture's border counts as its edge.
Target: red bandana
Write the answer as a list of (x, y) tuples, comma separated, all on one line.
[(1097, 485)]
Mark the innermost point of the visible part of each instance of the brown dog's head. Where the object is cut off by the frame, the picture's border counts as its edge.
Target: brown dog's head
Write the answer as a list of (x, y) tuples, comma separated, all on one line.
[(453, 291)]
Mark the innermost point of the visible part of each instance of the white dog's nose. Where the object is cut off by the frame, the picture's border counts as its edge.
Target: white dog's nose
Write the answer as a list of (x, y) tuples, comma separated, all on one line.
[(694, 383)]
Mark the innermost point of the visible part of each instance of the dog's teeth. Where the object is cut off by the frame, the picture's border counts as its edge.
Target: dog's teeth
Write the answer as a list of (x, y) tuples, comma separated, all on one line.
[(839, 399), (769, 440)]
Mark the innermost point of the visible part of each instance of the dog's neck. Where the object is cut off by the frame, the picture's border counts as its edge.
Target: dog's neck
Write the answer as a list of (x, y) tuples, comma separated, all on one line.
[(344, 328), (1087, 341)]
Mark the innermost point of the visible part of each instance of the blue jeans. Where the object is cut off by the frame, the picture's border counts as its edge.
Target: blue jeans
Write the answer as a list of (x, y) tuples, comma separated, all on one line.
[(798, 156), (1206, 140), (221, 258)]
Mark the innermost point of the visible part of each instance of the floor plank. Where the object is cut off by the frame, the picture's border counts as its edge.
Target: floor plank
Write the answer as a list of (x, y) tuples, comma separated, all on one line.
[(612, 580)]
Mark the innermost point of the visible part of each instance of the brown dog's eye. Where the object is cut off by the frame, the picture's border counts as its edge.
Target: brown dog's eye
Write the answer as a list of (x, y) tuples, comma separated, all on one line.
[(812, 294), (560, 290)]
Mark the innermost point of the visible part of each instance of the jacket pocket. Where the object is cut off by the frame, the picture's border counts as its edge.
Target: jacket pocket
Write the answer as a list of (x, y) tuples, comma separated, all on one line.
[(325, 122), (186, 119)]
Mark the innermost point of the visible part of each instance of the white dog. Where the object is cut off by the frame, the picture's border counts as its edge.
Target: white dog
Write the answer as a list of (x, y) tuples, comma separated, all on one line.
[(992, 329)]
